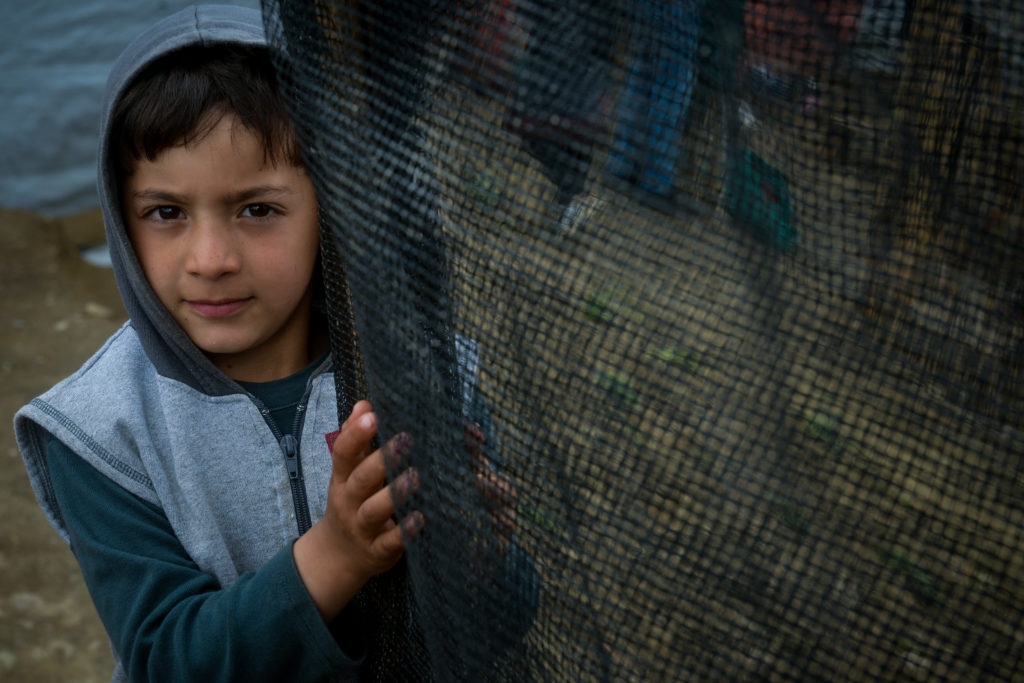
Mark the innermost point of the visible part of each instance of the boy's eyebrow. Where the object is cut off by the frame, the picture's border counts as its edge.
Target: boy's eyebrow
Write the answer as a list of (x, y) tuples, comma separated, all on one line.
[(157, 195), (260, 191)]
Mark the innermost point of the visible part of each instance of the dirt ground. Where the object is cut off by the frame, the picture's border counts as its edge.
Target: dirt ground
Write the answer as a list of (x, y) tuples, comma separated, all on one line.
[(56, 310)]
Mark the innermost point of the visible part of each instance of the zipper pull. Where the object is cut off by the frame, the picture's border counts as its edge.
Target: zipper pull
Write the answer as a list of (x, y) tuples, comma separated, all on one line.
[(291, 449)]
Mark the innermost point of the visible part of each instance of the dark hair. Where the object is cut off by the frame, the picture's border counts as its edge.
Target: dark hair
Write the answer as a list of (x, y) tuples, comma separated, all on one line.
[(181, 96)]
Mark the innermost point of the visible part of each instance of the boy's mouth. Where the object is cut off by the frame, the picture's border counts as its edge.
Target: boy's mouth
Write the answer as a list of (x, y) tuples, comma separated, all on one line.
[(217, 308)]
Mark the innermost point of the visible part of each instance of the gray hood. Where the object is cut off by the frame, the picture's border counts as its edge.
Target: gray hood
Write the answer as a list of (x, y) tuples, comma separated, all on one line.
[(166, 344)]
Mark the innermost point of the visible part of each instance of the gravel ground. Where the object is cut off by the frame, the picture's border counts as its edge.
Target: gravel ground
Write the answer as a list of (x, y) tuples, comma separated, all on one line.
[(56, 310)]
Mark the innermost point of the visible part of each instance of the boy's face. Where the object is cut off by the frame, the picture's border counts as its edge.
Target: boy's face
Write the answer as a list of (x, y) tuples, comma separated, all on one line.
[(229, 244)]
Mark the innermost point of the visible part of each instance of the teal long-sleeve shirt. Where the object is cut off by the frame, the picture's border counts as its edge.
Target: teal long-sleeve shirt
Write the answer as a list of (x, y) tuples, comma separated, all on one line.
[(173, 621)]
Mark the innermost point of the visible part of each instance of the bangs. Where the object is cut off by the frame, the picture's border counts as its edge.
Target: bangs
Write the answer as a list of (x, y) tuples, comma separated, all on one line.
[(179, 98)]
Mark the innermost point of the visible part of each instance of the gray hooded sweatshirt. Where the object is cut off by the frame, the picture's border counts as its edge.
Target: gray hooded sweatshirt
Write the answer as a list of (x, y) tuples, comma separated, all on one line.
[(152, 414)]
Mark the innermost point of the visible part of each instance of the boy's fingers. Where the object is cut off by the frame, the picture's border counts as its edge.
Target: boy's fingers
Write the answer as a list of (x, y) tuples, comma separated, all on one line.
[(411, 525), (366, 479), (391, 543), (379, 506), (396, 451), (376, 510), (358, 410), (405, 486), (351, 444), (369, 475)]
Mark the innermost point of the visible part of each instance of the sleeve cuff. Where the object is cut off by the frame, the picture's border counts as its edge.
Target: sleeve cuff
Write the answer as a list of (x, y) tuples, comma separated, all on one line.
[(340, 643)]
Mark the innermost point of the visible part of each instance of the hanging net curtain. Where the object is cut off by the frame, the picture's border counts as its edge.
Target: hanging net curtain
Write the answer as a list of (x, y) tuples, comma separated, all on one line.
[(732, 292)]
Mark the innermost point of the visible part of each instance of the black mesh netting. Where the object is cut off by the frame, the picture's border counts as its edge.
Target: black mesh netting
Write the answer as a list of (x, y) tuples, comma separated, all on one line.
[(732, 293)]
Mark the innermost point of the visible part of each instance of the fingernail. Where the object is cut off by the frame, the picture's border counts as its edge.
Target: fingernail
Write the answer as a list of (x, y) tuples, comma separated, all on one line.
[(412, 524), (407, 484), (402, 445), (366, 421)]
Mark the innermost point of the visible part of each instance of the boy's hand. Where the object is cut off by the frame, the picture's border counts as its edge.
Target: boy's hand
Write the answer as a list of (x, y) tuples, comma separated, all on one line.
[(497, 487), (357, 538)]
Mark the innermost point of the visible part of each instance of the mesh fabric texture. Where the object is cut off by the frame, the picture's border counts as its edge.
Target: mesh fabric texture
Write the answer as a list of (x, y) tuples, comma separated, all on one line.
[(745, 283)]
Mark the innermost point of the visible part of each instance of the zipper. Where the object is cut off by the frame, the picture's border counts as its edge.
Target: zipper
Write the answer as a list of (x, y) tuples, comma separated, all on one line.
[(290, 446)]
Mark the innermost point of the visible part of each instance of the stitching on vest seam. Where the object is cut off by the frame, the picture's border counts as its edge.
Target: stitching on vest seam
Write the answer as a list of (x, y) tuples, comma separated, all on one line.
[(93, 445)]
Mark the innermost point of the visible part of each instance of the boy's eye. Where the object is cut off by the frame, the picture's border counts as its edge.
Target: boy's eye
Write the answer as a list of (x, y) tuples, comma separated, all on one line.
[(257, 210), (167, 213)]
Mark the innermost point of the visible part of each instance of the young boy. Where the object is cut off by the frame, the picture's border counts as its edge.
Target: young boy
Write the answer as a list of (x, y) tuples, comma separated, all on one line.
[(220, 536)]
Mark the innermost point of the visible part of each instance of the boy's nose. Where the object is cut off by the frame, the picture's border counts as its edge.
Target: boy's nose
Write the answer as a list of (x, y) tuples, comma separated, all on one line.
[(212, 250)]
